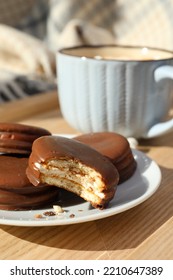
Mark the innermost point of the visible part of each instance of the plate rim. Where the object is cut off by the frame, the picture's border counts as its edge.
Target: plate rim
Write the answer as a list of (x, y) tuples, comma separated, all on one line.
[(100, 214)]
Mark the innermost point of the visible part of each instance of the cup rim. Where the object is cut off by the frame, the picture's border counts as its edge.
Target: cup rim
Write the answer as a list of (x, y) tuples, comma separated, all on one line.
[(62, 51)]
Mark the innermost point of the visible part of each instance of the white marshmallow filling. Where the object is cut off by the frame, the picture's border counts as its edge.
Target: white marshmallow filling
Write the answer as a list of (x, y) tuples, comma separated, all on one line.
[(73, 176)]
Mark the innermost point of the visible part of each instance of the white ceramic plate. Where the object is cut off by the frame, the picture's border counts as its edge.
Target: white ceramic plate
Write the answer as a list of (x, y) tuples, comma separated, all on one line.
[(134, 191)]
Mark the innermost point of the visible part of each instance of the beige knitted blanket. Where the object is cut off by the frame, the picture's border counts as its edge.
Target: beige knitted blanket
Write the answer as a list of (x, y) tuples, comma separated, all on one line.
[(32, 31)]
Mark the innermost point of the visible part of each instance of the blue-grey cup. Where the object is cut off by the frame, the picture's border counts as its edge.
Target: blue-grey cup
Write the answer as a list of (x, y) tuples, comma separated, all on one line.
[(123, 89)]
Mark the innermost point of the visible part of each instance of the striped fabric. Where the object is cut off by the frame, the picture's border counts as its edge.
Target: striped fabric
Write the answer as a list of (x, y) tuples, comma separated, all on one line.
[(21, 86), (27, 15), (145, 22), (58, 23), (98, 12), (22, 57), (65, 13)]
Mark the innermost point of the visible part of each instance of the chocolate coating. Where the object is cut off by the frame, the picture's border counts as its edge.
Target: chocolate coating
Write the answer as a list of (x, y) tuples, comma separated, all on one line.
[(22, 128), (115, 147), (51, 147), (110, 144), (16, 191), (18, 138)]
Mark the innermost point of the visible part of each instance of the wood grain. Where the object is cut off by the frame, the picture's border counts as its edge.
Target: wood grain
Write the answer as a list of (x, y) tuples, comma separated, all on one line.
[(19, 109), (143, 232), (158, 246)]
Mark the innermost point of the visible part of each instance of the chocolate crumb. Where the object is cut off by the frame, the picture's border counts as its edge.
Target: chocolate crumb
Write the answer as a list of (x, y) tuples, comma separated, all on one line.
[(49, 213), (38, 216), (72, 216)]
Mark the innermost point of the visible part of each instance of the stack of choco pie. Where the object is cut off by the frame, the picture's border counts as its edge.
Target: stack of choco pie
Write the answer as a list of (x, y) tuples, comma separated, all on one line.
[(16, 191), (34, 165)]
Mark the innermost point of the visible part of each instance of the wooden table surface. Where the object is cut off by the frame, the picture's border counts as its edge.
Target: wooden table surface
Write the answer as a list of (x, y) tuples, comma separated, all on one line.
[(143, 232)]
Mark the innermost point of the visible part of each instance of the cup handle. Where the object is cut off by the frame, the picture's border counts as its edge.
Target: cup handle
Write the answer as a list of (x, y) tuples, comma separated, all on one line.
[(162, 72), (160, 129)]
